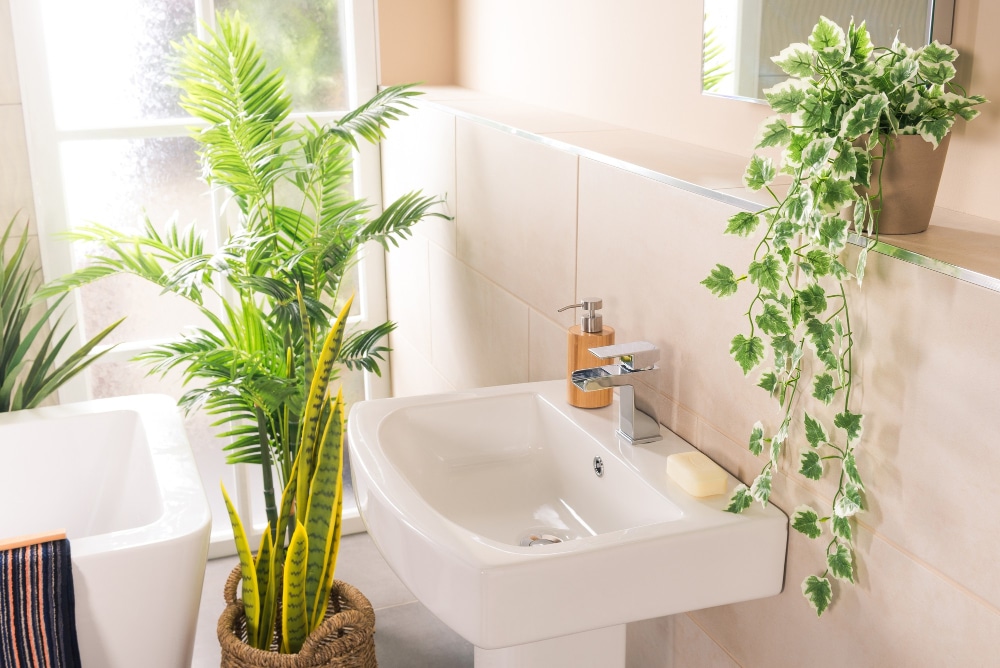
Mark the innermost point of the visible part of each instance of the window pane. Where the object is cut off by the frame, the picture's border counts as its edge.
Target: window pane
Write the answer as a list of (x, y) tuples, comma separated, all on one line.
[(109, 61), (112, 182), (302, 37)]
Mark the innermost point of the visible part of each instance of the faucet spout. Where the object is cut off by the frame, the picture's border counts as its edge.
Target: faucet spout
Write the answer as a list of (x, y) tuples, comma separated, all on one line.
[(637, 420)]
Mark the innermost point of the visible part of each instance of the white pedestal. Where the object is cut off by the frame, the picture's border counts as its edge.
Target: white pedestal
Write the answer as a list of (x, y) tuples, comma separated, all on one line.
[(603, 648)]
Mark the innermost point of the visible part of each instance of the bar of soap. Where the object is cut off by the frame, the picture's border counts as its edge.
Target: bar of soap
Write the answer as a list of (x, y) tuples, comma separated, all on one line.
[(697, 474)]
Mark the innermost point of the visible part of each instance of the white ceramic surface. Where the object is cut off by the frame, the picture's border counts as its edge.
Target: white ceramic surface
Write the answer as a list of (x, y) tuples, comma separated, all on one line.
[(119, 476), (449, 484)]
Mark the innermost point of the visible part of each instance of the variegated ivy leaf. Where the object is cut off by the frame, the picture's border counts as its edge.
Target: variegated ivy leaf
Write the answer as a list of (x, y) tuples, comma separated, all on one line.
[(815, 154), (742, 224), (815, 432), (845, 163), (835, 194), (774, 132), (851, 469), (793, 154), (864, 174), (760, 172), (777, 441), (815, 110), (748, 353), (772, 321), (936, 52), (795, 60), (937, 73), (861, 217), (812, 299), (841, 563), (850, 423), (768, 381), (902, 71), (864, 116), (860, 41), (798, 206), (961, 105), (848, 504), (767, 273), (756, 445), (934, 130), (838, 270), (862, 262), (786, 97), (829, 41), (818, 592), (820, 261), (823, 388), (810, 465), (761, 487), (842, 527), (784, 348), (722, 282), (820, 334), (833, 234), (806, 520), (740, 500)]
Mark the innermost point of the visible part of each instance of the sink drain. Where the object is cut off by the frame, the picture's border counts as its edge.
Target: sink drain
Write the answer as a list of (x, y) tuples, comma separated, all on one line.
[(535, 539)]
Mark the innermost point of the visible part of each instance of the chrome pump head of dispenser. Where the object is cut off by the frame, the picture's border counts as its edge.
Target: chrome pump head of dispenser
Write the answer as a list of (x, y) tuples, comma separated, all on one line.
[(592, 321)]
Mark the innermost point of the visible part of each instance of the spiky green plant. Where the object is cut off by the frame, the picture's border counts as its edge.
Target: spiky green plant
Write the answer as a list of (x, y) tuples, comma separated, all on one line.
[(30, 365), (279, 271), (302, 564)]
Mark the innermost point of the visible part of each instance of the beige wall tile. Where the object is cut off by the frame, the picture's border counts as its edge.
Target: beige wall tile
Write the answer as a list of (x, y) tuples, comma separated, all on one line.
[(548, 348), (15, 175), (479, 331), (408, 292), (10, 93), (673, 642), (412, 373), (416, 41), (419, 154), (645, 246), (517, 215)]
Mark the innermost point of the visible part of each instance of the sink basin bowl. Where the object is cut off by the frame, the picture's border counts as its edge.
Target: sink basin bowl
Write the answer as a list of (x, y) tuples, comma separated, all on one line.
[(488, 506)]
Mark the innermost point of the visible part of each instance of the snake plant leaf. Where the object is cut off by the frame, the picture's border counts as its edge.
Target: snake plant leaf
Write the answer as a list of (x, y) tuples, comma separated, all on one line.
[(796, 60), (774, 132), (850, 423), (759, 173), (810, 465), (266, 585), (760, 490), (721, 281), (849, 502), (748, 352), (294, 617), (842, 527), (742, 224), (740, 500), (818, 592), (320, 515), (805, 520), (841, 563), (815, 432), (250, 592)]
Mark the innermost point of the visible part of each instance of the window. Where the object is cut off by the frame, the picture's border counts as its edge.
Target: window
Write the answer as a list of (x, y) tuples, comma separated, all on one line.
[(108, 143)]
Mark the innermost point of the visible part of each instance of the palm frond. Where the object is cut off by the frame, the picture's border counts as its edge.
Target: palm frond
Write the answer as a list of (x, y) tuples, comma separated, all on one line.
[(370, 120)]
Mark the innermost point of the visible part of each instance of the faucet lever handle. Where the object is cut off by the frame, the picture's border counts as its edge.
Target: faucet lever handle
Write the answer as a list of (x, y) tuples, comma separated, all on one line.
[(635, 355)]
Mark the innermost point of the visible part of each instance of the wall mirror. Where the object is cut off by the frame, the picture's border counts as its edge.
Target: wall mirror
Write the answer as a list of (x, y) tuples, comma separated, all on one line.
[(740, 36)]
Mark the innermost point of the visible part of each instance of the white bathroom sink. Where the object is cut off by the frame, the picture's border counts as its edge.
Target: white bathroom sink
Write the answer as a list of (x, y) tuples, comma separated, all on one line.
[(453, 487)]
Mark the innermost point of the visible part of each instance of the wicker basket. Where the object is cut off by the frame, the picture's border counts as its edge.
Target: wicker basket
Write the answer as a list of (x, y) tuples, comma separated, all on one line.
[(345, 639)]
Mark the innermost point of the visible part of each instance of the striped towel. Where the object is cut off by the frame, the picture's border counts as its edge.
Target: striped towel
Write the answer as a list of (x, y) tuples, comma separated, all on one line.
[(37, 607)]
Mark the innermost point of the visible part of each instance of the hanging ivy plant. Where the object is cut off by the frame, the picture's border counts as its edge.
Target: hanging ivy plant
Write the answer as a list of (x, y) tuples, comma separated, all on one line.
[(838, 114)]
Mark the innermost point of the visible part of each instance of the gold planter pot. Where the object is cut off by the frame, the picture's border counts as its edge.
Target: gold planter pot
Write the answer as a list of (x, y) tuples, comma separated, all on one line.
[(910, 175), (345, 639)]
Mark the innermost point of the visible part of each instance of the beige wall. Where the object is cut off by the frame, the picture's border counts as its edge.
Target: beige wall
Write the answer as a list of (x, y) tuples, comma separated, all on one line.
[(416, 41), (536, 226), (636, 63)]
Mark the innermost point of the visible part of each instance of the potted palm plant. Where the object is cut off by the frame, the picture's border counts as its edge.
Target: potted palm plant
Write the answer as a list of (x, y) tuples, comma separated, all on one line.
[(842, 115), (31, 368), (278, 274)]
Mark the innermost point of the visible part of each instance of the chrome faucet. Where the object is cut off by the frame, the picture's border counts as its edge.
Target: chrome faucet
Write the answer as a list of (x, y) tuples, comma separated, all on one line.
[(637, 420)]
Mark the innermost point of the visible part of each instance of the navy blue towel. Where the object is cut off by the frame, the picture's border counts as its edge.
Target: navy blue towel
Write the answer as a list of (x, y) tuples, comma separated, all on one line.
[(37, 607)]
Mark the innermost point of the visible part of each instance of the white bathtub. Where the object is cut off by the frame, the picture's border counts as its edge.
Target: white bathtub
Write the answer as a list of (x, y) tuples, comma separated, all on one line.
[(119, 476)]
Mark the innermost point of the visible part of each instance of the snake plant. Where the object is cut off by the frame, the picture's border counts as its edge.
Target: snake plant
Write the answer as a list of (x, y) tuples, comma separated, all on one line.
[(30, 364), (311, 505), (279, 272)]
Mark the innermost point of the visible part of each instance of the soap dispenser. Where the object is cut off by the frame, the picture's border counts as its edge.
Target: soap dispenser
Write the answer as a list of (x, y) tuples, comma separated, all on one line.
[(590, 333)]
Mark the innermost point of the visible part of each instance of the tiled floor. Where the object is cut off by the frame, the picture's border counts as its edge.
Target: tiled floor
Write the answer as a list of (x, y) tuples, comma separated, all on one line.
[(406, 634)]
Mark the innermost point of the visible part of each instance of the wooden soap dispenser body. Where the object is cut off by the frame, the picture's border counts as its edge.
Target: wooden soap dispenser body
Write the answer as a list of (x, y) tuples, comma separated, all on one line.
[(590, 333)]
